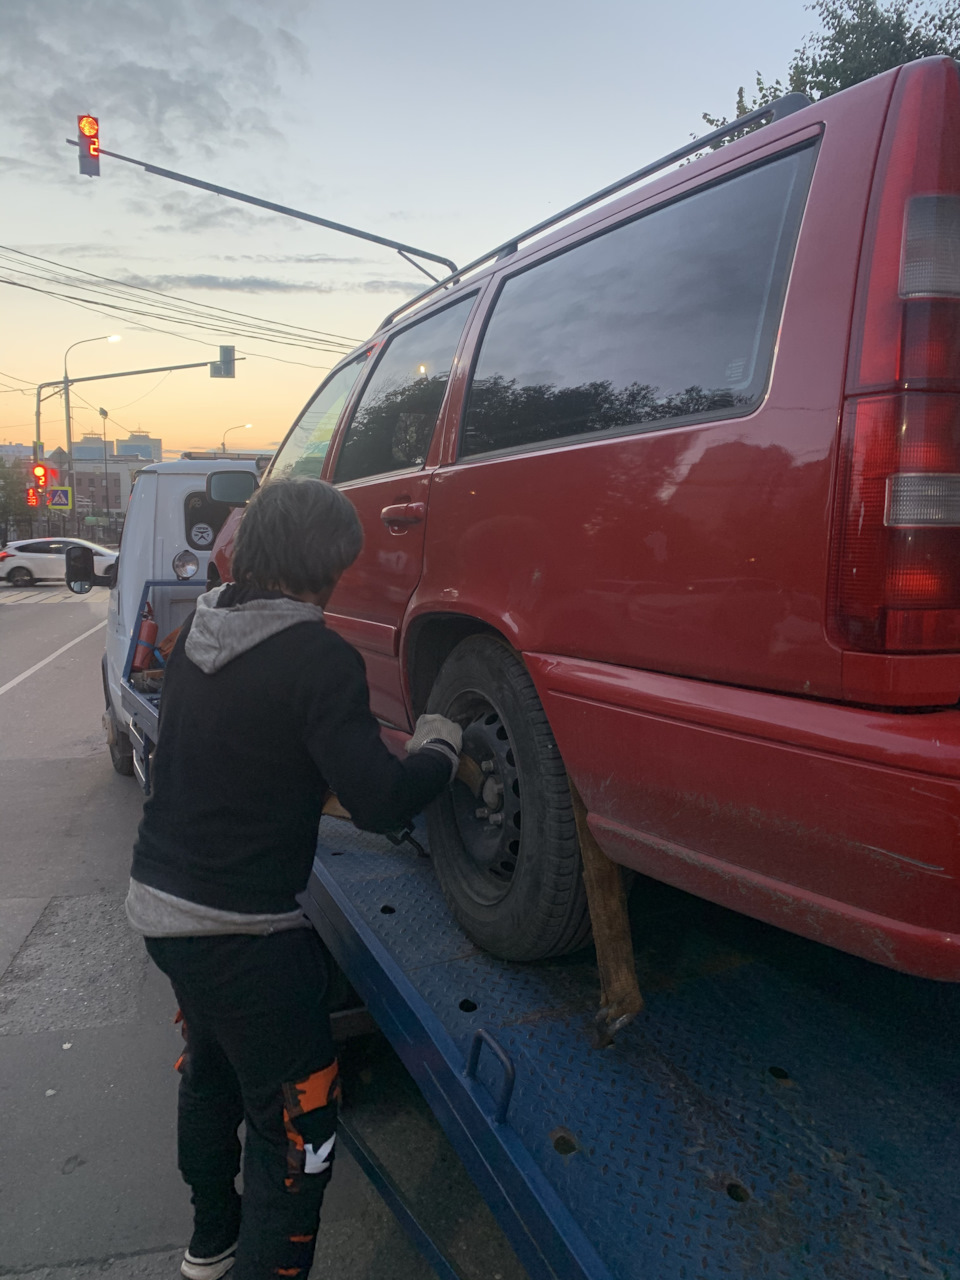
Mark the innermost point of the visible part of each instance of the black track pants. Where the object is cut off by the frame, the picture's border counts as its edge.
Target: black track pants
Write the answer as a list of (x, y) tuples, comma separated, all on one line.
[(258, 1049)]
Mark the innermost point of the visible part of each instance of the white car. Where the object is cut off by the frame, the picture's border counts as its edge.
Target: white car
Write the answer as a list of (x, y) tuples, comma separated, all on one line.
[(32, 560)]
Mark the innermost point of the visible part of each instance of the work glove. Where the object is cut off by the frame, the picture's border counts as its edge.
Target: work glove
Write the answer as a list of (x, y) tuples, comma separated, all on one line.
[(437, 733)]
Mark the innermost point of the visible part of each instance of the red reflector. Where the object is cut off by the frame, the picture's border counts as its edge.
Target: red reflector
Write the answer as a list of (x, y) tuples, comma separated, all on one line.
[(913, 584)]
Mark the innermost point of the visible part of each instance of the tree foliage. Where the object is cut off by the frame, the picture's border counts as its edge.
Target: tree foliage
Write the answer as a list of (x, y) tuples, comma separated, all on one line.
[(857, 39), (13, 494)]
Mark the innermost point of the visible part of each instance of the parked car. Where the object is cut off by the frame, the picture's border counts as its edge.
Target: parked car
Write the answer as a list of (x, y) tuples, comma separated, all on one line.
[(39, 559), (667, 503)]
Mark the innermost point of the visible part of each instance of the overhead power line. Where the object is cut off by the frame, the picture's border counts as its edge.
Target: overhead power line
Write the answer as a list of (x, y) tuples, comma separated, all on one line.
[(141, 304)]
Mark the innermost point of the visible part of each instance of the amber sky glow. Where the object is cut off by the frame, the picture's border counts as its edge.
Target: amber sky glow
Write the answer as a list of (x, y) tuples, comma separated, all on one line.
[(450, 127)]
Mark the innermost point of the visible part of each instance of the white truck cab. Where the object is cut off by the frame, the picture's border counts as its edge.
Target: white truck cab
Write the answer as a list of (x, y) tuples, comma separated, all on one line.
[(168, 535)]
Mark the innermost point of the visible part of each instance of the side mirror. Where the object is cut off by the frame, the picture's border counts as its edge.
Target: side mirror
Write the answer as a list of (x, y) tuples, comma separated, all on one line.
[(79, 575), (110, 577), (235, 488)]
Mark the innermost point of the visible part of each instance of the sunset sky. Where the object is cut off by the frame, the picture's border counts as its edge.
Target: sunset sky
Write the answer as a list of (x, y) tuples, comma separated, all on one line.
[(447, 126)]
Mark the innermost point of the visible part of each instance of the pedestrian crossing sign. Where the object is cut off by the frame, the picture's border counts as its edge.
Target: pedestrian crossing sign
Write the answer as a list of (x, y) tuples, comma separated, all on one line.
[(61, 499)]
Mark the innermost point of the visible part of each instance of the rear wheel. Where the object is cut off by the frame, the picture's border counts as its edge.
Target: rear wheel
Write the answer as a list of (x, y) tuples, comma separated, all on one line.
[(508, 859), (119, 745), (20, 577)]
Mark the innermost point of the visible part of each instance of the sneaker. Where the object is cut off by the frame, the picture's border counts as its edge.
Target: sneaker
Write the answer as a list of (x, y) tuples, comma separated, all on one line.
[(208, 1268)]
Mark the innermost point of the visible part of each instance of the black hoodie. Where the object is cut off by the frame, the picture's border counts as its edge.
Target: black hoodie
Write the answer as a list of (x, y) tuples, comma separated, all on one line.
[(264, 710)]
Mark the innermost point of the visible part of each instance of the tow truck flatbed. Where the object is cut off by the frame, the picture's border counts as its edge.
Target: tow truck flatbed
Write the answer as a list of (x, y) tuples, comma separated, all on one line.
[(780, 1110)]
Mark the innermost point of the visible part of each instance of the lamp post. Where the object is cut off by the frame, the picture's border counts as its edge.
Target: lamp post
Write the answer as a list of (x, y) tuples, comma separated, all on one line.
[(106, 479), (103, 337), (243, 426)]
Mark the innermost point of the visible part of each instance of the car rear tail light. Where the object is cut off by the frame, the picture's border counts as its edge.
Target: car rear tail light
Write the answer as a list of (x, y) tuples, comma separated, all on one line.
[(896, 544), (5, 555), (898, 540)]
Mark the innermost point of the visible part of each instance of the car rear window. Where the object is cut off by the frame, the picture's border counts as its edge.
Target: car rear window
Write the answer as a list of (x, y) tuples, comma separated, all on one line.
[(670, 316)]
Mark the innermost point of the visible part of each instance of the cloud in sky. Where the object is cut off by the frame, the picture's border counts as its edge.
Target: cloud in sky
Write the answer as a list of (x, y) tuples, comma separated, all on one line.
[(293, 259), (266, 284), (183, 73)]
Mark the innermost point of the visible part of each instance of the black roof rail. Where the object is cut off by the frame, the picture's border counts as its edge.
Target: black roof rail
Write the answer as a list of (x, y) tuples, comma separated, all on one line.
[(772, 111)]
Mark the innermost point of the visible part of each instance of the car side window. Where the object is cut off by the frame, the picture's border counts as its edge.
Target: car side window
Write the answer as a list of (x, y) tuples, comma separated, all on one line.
[(672, 315), (303, 451), (395, 418)]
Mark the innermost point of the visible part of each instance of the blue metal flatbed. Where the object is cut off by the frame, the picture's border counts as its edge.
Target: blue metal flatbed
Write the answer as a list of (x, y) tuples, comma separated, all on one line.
[(780, 1110)]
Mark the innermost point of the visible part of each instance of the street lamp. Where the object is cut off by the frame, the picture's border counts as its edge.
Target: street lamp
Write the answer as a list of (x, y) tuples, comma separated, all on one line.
[(243, 426), (103, 337), (106, 485)]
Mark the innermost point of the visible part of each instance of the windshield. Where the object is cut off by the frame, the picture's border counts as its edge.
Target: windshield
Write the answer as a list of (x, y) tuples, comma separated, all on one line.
[(303, 451)]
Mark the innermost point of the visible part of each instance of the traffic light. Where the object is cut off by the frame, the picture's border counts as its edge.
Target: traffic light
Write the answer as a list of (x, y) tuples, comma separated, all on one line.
[(33, 498), (88, 138), (225, 367), (40, 475)]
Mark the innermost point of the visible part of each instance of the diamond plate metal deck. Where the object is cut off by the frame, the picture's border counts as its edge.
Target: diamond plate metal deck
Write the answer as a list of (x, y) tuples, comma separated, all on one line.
[(780, 1110)]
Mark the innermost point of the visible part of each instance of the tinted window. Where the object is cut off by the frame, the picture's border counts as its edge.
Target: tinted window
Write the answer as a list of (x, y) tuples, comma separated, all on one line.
[(671, 315), (397, 412), (305, 448)]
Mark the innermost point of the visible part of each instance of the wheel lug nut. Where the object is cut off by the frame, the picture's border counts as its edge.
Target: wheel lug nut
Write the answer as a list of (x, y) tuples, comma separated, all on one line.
[(495, 820), (487, 766), (482, 812)]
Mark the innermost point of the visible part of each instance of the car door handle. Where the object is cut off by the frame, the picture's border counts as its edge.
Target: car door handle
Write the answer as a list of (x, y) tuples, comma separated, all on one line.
[(404, 513)]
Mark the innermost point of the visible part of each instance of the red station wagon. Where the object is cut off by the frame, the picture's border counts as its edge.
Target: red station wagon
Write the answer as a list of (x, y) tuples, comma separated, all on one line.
[(668, 502)]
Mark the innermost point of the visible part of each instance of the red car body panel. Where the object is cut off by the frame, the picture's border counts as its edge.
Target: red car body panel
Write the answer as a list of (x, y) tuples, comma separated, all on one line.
[(670, 590), (837, 822)]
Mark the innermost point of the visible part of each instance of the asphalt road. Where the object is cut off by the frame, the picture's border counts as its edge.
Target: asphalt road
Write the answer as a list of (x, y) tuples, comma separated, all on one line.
[(88, 1179)]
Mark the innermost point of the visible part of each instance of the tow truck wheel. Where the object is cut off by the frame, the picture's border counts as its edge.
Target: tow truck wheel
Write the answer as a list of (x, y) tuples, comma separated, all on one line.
[(507, 859), (119, 744)]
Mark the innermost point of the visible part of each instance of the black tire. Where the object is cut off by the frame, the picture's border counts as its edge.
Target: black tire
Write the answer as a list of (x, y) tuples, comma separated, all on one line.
[(20, 577), (513, 878), (119, 746)]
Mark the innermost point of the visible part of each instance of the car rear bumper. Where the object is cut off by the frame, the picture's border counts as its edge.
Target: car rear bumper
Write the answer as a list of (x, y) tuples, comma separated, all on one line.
[(838, 823)]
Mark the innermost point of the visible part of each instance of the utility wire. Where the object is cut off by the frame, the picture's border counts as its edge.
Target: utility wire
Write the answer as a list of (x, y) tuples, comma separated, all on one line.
[(143, 301), (116, 310), (21, 253)]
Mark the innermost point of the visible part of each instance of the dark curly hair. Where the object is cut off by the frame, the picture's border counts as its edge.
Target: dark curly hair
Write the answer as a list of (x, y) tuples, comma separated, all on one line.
[(299, 534)]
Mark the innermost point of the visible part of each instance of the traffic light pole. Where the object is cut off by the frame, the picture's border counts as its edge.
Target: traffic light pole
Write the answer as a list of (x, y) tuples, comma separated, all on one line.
[(406, 251), (64, 384)]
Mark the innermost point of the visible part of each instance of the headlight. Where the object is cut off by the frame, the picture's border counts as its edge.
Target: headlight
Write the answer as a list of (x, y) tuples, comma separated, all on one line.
[(185, 564)]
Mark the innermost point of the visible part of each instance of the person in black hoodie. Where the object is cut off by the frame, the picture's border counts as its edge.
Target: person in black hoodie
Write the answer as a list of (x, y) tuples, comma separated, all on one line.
[(264, 712)]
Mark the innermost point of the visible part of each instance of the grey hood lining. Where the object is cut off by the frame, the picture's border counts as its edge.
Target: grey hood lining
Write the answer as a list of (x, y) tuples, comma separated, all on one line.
[(217, 636)]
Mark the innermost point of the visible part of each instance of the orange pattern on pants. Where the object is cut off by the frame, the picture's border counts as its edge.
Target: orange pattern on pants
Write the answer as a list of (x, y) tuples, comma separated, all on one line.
[(300, 1098)]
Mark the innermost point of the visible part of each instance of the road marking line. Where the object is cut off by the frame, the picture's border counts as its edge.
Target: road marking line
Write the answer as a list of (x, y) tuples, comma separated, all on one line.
[(63, 649)]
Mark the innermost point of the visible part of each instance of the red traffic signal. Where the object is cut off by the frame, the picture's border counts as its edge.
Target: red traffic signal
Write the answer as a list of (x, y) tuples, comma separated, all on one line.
[(88, 138), (40, 475), (33, 498)]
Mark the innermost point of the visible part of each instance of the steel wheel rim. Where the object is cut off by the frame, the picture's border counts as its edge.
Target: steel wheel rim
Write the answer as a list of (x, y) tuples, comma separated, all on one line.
[(489, 826)]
